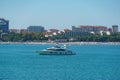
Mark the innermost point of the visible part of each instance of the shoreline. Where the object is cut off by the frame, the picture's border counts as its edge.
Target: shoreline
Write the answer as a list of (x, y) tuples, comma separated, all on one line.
[(79, 43)]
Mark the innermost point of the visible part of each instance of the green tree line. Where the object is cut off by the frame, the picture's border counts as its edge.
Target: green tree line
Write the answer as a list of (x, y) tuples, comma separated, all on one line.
[(99, 38), (23, 37)]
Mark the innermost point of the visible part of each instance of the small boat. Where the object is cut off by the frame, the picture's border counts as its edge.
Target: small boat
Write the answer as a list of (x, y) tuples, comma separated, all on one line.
[(56, 50)]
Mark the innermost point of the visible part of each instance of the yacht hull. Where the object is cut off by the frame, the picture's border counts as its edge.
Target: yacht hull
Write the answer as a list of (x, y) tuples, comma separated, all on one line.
[(55, 53)]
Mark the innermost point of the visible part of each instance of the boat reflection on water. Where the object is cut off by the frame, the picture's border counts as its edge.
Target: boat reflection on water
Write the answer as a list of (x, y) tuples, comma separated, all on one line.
[(56, 50)]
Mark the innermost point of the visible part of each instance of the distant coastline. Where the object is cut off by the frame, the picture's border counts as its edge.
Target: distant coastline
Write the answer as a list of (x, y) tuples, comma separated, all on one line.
[(79, 43)]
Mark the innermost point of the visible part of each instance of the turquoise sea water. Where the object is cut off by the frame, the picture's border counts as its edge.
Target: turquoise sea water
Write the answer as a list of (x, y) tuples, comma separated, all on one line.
[(91, 62)]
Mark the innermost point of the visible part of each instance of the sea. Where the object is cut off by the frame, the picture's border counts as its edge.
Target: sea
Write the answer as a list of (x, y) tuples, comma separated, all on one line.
[(91, 62)]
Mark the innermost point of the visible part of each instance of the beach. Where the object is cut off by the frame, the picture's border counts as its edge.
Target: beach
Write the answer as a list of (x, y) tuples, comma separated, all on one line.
[(79, 43)]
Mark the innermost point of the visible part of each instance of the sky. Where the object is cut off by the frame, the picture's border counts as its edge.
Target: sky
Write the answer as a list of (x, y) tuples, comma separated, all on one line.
[(60, 14)]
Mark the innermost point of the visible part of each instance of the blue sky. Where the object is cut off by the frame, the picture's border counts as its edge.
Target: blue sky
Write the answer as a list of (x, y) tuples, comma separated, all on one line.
[(60, 14)]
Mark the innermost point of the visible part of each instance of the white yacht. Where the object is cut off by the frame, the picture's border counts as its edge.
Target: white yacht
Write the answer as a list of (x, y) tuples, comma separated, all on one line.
[(56, 50)]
